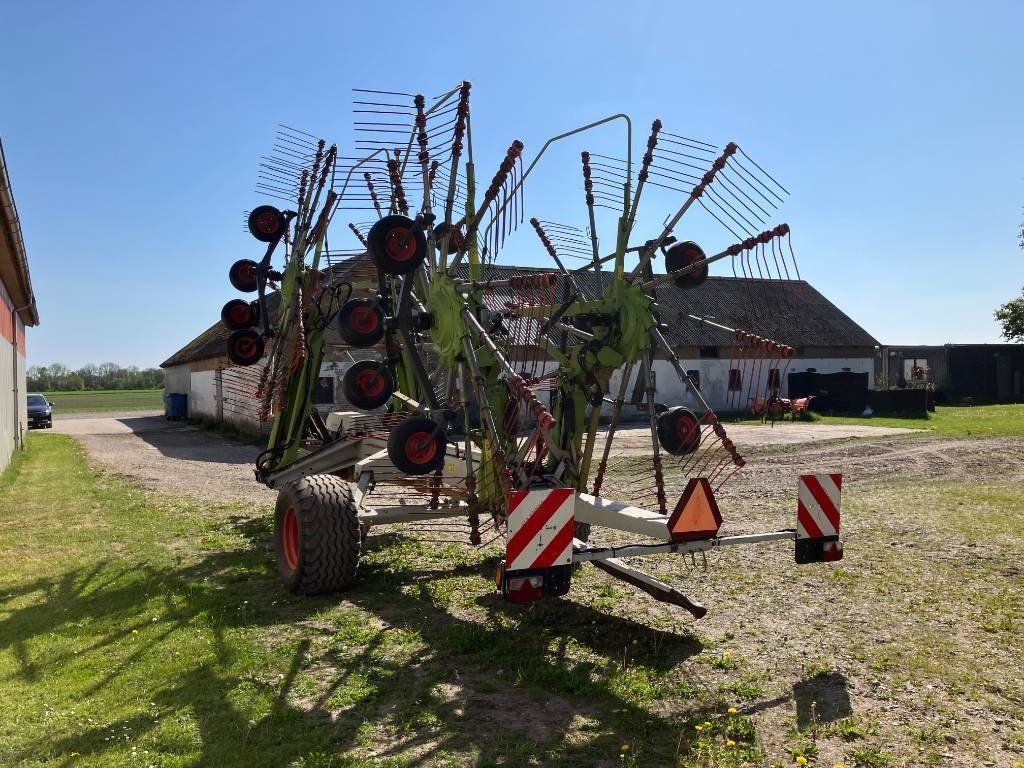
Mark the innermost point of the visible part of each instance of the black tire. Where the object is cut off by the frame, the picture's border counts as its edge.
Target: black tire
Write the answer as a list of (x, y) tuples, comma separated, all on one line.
[(683, 255), (368, 385), (238, 314), (679, 431), (361, 322), (455, 241), (412, 451), (317, 540), (266, 223), (393, 249), (245, 347), (243, 275)]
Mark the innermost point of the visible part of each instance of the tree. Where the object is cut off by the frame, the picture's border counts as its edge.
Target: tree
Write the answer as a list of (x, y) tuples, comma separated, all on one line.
[(1011, 317), (1011, 314)]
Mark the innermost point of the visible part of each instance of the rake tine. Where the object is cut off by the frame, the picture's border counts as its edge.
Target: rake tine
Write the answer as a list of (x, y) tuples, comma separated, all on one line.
[(648, 158), (358, 234)]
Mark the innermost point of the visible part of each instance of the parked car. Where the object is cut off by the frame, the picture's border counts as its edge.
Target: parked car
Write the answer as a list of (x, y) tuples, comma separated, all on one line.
[(40, 412)]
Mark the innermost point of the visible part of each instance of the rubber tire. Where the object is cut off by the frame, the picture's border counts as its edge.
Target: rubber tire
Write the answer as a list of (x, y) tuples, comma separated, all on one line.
[(683, 255), (245, 338), (356, 396), (243, 275), (668, 431), (402, 433), (387, 230), (454, 242), (266, 223), (329, 541), (357, 309), (230, 314)]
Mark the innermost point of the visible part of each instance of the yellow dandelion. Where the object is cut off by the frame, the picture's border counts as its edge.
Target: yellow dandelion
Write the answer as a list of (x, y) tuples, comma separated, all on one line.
[(732, 710), (730, 743), (707, 723), (135, 631), (840, 765), (801, 760), (698, 727)]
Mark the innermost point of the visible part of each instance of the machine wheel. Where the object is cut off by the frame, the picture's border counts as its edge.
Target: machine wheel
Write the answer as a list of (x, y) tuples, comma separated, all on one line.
[(412, 449), (317, 538), (361, 322), (245, 347), (683, 255), (266, 223), (394, 247), (238, 314), (678, 431), (368, 384), (455, 240), (243, 275)]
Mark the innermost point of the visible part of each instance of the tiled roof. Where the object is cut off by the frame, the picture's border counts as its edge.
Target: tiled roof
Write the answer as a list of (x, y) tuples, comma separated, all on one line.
[(790, 312), (787, 311)]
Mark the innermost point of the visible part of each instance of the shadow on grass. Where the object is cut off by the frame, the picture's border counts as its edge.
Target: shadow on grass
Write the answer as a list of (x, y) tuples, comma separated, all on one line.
[(513, 684)]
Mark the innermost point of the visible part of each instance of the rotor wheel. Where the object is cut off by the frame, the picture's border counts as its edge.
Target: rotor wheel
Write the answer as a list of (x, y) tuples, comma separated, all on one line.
[(679, 431), (238, 314), (368, 384), (683, 255), (361, 322), (317, 538), (243, 275), (245, 347), (414, 448), (266, 223), (395, 246)]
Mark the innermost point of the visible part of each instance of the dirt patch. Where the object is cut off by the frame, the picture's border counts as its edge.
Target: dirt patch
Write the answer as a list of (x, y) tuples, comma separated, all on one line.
[(635, 439)]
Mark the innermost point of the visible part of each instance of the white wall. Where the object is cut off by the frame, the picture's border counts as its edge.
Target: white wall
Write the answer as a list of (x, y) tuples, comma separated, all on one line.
[(202, 395), (13, 409), (176, 379), (714, 378)]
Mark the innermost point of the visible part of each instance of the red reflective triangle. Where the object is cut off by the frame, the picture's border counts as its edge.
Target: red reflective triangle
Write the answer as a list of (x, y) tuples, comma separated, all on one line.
[(696, 516)]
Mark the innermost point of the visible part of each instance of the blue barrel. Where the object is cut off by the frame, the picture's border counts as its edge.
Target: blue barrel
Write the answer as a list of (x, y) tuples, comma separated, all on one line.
[(177, 406)]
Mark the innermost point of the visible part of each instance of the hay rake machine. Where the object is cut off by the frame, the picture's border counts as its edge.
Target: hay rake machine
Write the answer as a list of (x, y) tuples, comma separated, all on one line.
[(494, 396)]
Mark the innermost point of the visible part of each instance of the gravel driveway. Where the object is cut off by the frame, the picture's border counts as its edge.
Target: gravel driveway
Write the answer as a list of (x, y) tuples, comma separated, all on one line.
[(168, 456), (177, 458)]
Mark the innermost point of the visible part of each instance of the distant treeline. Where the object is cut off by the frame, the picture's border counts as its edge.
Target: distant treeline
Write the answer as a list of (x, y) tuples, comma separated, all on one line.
[(60, 378)]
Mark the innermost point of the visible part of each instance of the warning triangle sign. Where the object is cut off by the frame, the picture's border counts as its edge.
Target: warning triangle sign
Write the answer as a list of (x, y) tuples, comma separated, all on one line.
[(696, 516)]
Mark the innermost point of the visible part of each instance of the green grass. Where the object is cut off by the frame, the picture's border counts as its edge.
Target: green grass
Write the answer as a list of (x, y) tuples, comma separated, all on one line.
[(137, 630), (106, 400), (947, 421), (145, 630)]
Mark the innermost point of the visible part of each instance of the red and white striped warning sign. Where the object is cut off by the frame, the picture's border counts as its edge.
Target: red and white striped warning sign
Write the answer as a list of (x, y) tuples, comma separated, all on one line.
[(817, 507), (540, 528)]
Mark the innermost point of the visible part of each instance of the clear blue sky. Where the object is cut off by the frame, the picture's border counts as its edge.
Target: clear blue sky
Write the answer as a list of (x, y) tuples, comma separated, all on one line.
[(133, 130)]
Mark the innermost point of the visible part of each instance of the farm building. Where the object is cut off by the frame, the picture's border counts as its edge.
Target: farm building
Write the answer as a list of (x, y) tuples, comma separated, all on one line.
[(19, 311), (825, 340), (981, 373)]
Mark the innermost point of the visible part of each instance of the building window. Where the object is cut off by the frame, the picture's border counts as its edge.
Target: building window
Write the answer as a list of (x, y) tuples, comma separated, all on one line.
[(774, 379), (323, 394), (915, 369), (694, 378), (709, 352), (735, 380)]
